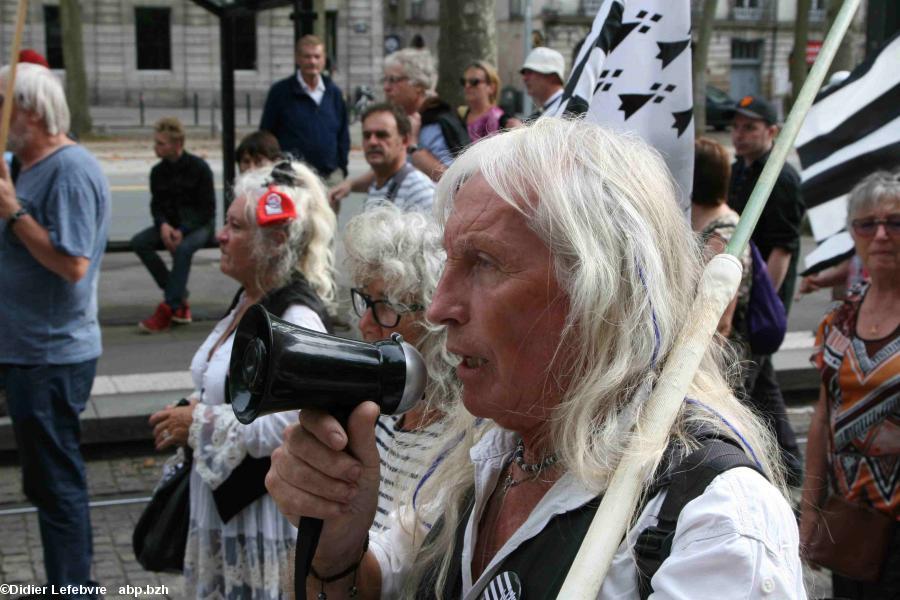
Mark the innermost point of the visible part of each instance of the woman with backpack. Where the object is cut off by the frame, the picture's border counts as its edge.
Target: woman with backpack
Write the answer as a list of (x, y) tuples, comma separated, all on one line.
[(482, 116)]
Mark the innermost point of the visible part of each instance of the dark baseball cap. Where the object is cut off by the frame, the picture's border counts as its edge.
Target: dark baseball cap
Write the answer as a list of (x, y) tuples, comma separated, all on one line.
[(755, 107)]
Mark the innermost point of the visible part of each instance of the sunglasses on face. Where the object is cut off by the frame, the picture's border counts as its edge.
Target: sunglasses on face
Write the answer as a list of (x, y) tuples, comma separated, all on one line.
[(470, 82), (386, 314), (867, 227)]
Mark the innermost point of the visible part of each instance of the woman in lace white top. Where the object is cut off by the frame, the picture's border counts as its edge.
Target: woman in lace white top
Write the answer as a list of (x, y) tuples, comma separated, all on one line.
[(276, 243)]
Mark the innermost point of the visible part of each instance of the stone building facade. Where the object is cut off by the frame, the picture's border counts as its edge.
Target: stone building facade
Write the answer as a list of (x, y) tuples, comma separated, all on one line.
[(167, 51)]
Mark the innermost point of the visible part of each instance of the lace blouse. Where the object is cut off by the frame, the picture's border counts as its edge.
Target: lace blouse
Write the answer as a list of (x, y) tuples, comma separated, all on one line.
[(247, 557)]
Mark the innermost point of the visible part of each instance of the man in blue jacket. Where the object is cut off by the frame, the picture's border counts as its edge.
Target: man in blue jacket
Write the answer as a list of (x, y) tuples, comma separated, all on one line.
[(306, 112)]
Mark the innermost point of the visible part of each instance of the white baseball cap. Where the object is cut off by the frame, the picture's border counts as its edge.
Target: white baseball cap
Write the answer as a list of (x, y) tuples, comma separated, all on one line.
[(545, 60)]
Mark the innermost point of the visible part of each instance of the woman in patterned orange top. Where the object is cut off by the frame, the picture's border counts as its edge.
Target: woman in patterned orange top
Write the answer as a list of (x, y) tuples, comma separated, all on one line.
[(854, 439)]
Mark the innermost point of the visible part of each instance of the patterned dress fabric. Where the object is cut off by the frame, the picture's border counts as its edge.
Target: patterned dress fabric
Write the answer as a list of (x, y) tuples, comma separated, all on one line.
[(246, 558), (862, 385)]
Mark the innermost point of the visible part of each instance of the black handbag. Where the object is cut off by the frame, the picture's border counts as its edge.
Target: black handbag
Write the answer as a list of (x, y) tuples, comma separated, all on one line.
[(160, 535)]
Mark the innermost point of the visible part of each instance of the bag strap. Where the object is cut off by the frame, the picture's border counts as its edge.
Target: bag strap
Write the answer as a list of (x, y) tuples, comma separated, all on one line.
[(397, 181), (687, 481)]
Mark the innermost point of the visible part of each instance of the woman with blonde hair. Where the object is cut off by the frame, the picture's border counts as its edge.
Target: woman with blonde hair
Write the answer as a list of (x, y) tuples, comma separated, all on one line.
[(481, 87), (277, 243), (570, 274)]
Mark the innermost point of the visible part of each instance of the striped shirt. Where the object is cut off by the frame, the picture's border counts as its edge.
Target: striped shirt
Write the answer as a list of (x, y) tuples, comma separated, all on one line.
[(416, 192), (402, 453)]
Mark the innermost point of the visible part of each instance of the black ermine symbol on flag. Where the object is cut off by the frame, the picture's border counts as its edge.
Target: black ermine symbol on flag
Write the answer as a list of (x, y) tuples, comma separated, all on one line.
[(655, 18), (604, 84), (631, 103), (661, 94), (669, 51), (682, 120)]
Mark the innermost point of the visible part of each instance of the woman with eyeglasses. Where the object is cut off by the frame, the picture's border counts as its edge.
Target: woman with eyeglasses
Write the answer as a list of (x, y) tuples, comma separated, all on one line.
[(481, 87), (395, 259), (854, 439)]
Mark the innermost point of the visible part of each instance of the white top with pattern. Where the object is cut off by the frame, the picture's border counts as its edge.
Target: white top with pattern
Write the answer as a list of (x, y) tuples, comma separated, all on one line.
[(402, 453), (246, 557)]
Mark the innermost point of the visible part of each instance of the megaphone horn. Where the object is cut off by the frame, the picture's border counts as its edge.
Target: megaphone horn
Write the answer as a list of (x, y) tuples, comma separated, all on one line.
[(278, 366)]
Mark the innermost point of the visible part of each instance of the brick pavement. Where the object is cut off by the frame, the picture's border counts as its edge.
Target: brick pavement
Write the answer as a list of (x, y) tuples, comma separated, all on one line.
[(114, 563)]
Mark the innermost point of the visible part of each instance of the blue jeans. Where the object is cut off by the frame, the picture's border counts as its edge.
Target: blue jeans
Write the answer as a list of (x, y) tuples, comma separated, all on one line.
[(44, 404), (173, 283)]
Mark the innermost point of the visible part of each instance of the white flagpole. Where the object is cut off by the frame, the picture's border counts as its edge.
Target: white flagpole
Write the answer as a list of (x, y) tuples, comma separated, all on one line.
[(717, 287)]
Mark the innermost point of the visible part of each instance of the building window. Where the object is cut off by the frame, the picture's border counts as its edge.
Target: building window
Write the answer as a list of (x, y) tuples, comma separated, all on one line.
[(152, 38), (748, 10), (331, 29), (516, 10), (746, 50), (817, 10), (53, 35), (590, 8), (245, 42), (417, 10)]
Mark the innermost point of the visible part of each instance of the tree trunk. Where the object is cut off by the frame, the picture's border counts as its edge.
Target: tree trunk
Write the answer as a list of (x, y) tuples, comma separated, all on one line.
[(468, 33), (849, 53), (798, 68), (699, 58), (76, 77)]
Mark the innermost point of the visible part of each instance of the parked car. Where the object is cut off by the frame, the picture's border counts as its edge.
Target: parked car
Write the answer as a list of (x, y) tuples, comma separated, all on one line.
[(719, 108)]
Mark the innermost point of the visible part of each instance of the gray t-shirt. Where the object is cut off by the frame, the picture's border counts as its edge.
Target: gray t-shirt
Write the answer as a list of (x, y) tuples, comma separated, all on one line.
[(416, 192), (44, 319)]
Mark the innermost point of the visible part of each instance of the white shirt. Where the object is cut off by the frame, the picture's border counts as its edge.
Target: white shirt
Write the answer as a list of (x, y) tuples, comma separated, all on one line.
[(737, 540), (552, 101), (416, 192), (315, 93)]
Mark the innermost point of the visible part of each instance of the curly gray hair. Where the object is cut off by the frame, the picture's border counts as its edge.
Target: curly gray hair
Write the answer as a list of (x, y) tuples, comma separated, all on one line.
[(302, 245), (404, 250), (417, 64)]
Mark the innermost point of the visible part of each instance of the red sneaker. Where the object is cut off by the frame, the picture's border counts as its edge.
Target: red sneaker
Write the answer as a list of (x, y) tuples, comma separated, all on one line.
[(160, 321), (182, 315)]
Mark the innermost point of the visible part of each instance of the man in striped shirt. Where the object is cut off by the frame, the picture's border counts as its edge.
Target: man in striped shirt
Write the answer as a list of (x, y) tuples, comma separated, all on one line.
[(386, 134)]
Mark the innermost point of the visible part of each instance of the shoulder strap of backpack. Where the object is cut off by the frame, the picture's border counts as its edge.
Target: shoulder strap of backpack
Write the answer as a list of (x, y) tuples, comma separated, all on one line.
[(687, 481), (397, 181)]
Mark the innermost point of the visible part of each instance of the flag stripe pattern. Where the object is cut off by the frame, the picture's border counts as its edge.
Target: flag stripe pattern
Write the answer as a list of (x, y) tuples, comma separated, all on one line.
[(633, 74), (852, 130)]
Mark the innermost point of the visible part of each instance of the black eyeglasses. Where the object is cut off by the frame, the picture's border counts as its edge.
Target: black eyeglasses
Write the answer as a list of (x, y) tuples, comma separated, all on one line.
[(867, 227), (472, 81), (386, 314), (392, 80)]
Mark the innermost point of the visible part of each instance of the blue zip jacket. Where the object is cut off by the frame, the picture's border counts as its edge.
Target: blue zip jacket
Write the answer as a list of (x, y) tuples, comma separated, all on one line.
[(318, 135)]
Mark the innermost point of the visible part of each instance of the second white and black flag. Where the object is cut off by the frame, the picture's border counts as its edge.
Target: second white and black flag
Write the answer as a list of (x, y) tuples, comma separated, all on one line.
[(852, 130), (633, 73)]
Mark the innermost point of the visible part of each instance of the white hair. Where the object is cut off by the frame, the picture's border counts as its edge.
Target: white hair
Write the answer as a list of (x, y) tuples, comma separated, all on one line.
[(404, 250), (39, 91), (417, 64), (302, 245), (878, 188), (604, 204)]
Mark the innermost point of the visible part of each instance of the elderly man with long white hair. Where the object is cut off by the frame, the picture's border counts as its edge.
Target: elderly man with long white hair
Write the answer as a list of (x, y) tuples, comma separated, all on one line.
[(570, 274)]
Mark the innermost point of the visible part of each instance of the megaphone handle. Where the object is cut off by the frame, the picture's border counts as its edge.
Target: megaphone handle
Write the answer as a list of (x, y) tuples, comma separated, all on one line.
[(308, 532)]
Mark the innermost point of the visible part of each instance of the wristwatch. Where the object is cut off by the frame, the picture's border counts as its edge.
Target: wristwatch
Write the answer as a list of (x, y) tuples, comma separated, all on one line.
[(16, 216), (411, 149)]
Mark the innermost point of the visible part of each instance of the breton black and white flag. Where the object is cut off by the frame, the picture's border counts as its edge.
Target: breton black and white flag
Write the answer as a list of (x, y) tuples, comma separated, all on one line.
[(633, 73), (852, 130)]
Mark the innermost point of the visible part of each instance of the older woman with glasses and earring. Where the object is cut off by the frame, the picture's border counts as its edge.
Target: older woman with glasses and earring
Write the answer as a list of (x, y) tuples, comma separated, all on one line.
[(853, 454), (395, 258), (481, 87)]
